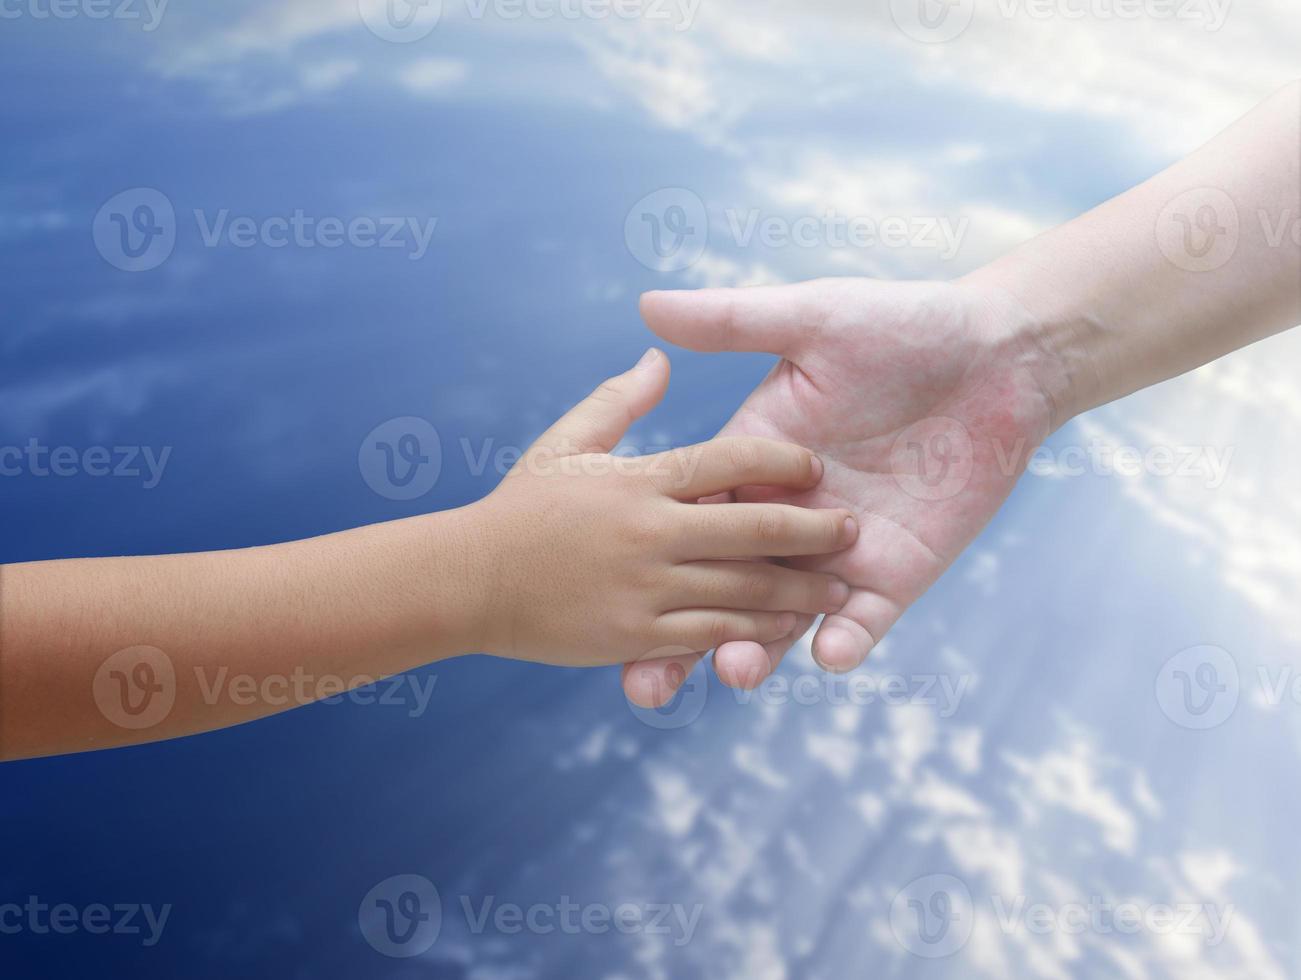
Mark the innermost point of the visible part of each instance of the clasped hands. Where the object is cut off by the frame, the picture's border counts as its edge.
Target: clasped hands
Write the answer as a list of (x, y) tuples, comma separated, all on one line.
[(873, 453)]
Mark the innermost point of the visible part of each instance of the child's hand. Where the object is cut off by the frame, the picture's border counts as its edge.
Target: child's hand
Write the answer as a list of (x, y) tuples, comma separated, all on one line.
[(599, 559)]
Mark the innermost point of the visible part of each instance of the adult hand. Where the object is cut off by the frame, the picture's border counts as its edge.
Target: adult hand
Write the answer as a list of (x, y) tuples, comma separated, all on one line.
[(923, 400)]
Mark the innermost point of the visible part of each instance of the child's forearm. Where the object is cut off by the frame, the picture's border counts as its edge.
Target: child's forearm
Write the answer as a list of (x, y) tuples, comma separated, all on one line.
[(221, 638), (579, 558)]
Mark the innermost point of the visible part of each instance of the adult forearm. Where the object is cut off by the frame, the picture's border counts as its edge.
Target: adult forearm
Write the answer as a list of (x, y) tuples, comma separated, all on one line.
[(103, 652), (1200, 260)]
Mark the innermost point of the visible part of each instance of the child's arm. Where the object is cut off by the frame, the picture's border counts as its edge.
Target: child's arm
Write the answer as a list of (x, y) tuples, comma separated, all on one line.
[(579, 558)]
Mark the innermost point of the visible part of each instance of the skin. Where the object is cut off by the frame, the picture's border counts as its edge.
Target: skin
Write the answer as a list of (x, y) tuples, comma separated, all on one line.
[(579, 558), (887, 381)]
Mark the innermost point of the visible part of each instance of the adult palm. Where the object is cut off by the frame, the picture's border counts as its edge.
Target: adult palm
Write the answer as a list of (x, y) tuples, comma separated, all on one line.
[(923, 401)]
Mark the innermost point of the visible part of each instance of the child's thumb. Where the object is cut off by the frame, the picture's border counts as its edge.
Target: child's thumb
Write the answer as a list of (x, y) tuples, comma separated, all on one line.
[(599, 421)]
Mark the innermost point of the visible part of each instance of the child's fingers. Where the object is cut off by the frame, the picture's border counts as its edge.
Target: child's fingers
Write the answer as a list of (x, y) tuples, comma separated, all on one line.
[(764, 531), (654, 683), (724, 464), (705, 629), (756, 585)]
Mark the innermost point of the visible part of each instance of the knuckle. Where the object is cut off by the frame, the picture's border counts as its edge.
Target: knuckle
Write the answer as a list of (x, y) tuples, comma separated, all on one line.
[(758, 589), (832, 527), (744, 456), (610, 390), (644, 529), (720, 629), (771, 527)]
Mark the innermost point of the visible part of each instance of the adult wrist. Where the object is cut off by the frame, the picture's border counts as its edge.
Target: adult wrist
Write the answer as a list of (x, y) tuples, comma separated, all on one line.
[(1055, 339)]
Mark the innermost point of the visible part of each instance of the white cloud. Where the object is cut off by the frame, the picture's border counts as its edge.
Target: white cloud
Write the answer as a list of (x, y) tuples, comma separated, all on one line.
[(433, 76), (1070, 779)]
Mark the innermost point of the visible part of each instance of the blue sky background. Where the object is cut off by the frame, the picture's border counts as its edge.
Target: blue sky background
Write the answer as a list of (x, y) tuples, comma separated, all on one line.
[(1056, 776)]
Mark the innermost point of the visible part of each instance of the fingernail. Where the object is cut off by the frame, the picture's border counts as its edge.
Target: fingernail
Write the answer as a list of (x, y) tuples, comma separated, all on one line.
[(647, 359), (676, 676), (818, 469), (839, 595), (851, 528), (786, 622)]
